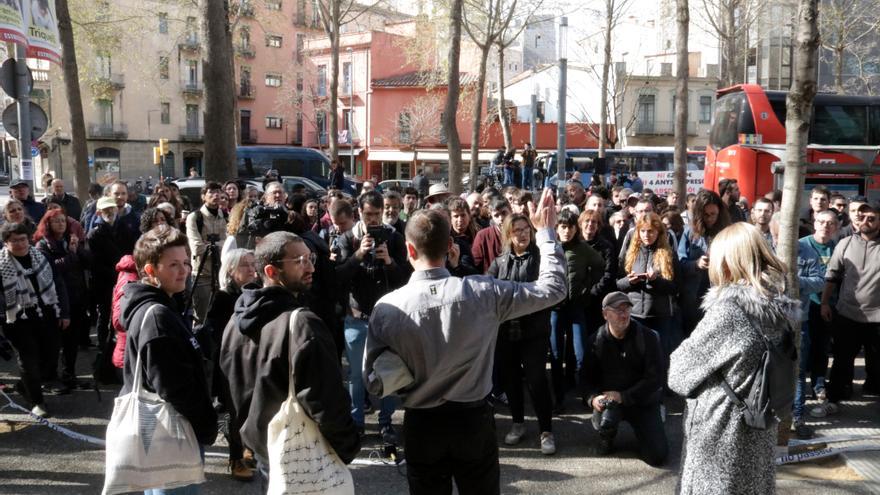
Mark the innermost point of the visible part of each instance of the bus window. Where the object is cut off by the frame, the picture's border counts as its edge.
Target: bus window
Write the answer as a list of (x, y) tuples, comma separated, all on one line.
[(733, 116), (837, 124), (874, 128), (289, 167), (779, 108)]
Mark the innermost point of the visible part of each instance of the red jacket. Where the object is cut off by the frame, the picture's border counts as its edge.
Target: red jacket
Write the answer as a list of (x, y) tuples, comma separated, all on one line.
[(486, 247), (127, 272)]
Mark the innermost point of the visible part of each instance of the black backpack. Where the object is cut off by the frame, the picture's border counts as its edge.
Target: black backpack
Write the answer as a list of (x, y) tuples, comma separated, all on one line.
[(772, 391)]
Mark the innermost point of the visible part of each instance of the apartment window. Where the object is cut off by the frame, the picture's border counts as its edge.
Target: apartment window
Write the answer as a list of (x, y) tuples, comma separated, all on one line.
[(316, 14), (273, 4), (163, 67), (321, 126), (273, 80), (300, 12), (273, 41), (105, 113), (299, 128), (165, 112), (103, 64), (705, 109), (299, 83), (273, 122), (300, 45), (346, 119), (192, 71), (192, 29), (322, 80), (646, 113), (163, 23), (404, 127), (346, 77), (244, 37)]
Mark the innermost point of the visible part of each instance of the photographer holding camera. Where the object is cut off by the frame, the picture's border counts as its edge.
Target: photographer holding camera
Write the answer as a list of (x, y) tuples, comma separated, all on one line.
[(206, 232), (623, 377), (371, 263)]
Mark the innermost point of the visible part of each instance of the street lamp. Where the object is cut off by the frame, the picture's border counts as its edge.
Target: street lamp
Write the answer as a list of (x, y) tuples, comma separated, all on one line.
[(563, 86), (351, 105)]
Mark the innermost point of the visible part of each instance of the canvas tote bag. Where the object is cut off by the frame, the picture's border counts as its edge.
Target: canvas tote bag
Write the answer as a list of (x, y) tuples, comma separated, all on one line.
[(300, 460), (149, 444)]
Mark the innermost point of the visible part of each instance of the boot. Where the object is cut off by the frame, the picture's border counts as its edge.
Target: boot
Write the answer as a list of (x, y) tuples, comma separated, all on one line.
[(239, 471)]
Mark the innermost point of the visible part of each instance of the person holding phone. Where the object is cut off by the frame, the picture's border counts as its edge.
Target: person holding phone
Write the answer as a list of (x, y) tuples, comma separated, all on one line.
[(649, 279)]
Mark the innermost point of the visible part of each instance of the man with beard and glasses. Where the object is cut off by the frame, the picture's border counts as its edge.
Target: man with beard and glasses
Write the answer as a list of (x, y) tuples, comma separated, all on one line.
[(256, 360)]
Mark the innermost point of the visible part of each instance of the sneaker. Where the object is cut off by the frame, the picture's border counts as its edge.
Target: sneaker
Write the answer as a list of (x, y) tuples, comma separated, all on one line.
[(239, 470), (500, 398), (604, 446), (389, 436), (548, 443), (801, 430), (41, 411), (516, 433), (56, 389)]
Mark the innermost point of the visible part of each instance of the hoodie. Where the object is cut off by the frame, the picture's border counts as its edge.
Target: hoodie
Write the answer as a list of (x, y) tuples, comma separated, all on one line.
[(171, 358), (255, 357)]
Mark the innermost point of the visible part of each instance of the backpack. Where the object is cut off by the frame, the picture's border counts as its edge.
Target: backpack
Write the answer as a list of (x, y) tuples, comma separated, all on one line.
[(771, 394)]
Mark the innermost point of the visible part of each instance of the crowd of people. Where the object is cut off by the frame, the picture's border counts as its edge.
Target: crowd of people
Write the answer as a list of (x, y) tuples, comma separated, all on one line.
[(447, 307)]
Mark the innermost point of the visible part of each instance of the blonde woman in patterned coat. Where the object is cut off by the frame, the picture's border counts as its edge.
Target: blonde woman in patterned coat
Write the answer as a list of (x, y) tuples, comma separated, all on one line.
[(721, 454)]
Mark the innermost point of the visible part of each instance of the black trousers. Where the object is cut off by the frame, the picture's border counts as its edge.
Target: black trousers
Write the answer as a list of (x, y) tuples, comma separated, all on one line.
[(849, 338), (451, 442), (526, 359), (820, 345), (70, 340), (37, 341), (647, 424)]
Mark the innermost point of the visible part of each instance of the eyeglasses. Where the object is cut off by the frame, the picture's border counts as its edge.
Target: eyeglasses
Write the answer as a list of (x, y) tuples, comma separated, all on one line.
[(301, 260)]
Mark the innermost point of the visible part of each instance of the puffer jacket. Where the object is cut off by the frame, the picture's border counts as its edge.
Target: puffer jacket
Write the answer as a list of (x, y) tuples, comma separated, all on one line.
[(523, 268), (651, 298), (126, 273), (721, 453)]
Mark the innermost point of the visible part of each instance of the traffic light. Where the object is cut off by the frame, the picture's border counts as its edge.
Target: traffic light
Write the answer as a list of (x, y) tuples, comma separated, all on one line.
[(157, 156), (163, 147)]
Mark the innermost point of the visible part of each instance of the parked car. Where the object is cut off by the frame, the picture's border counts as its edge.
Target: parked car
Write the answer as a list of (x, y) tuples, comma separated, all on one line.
[(289, 161), (308, 187), (401, 184)]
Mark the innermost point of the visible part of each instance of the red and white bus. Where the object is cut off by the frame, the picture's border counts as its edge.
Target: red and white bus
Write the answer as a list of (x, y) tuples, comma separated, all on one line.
[(748, 126)]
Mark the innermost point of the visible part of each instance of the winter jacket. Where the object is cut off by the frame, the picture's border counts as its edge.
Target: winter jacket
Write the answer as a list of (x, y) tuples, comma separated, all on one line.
[(367, 280), (608, 282), (256, 361), (34, 209), (585, 268), (126, 273), (694, 282), (466, 264), (650, 298), (171, 358), (855, 265), (811, 274), (70, 267), (632, 366), (105, 244), (524, 268), (70, 204), (486, 247), (721, 453)]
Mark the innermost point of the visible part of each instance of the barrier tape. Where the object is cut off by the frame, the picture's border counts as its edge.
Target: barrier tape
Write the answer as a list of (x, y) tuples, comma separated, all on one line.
[(826, 452), (43, 421)]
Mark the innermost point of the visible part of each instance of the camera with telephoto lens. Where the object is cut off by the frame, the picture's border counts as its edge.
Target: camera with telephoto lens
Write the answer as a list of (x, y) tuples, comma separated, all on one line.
[(263, 221), (611, 415)]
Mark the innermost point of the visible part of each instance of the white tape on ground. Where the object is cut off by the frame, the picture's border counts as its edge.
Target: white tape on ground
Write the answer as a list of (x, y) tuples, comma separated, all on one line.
[(827, 452)]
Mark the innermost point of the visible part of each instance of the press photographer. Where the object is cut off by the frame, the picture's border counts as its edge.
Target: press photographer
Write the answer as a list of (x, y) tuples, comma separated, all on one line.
[(371, 263), (206, 231), (623, 378)]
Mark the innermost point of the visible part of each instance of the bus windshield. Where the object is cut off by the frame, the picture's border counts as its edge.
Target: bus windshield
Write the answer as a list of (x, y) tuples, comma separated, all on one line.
[(733, 116)]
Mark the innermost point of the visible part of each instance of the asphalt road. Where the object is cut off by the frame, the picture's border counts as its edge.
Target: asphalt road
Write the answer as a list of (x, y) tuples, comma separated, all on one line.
[(37, 460)]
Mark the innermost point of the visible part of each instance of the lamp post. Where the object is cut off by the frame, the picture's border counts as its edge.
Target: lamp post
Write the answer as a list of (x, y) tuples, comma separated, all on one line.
[(560, 110), (351, 105)]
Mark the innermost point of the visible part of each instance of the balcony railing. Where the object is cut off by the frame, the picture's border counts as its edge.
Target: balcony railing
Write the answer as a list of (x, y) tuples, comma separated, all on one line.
[(247, 91), (190, 43), (116, 81), (248, 136), (108, 131), (191, 133), (191, 88), (661, 128), (246, 51), (318, 139)]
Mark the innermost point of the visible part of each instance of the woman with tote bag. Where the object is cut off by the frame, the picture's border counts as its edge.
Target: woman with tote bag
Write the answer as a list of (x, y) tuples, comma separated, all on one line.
[(163, 417)]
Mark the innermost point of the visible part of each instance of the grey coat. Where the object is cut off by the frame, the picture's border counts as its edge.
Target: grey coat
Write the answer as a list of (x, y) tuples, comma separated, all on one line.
[(721, 455)]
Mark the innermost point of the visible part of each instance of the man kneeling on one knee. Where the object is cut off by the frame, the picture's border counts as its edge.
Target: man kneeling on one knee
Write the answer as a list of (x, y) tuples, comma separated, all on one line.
[(622, 377)]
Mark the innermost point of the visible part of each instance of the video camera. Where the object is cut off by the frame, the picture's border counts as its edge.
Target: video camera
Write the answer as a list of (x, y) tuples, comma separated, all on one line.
[(263, 221)]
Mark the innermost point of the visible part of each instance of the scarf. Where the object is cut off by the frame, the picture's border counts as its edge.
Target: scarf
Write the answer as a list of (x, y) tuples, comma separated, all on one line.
[(18, 291)]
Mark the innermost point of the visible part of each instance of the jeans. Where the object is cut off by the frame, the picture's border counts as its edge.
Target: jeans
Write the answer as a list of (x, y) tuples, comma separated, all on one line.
[(449, 443), (849, 337), (567, 334), (355, 341), (508, 176), (800, 395), (525, 359), (527, 174), (647, 424)]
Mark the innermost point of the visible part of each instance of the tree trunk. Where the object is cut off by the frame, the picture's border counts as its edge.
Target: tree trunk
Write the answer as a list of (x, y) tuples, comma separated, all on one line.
[(838, 69), (219, 160), (799, 105), (682, 18), (450, 111), (478, 116), (730, 42), (606, 66), (334, 80), (502, 112), (74, 102)]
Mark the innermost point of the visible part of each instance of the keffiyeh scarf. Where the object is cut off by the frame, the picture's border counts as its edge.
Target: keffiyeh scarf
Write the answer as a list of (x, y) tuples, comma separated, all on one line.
[(18, 290)]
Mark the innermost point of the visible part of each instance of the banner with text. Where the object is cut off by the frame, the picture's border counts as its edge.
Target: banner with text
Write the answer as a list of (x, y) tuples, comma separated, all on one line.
[(31, 23)]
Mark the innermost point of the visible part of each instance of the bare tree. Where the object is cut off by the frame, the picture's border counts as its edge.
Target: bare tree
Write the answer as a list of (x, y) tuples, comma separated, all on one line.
[(450, 112), (74, 101), (682, 18), (729, 21), (848, 27), (416, 125), (614, 11)]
